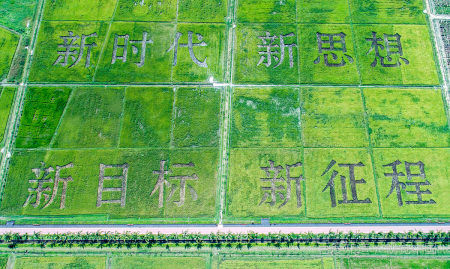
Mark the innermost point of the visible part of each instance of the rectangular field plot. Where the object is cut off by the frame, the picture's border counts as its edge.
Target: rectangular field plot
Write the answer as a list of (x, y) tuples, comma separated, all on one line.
[(406, 118), (340, 183), (52, 64), (263, 262), (60, 262), (79, 10), (147, 118), (41, 115), (322, 62), (388, 11), (333, 117), (251, 66), (206, 61), (8, 43), (196, 121), (318, 11), (410, 60), (92, 119), (150, 10), (257, 185), (268, 11), (144, 62), (160, 262), (114, 183), (413, 182), (268, 117), (202, 10)]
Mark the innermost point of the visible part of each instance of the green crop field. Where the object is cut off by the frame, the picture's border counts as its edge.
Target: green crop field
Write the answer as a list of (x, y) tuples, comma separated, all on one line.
[(17, 14), (8, 43), (224, 111), (6, 99), (350, 263), (60, 262), (288, 264), (165, 262)]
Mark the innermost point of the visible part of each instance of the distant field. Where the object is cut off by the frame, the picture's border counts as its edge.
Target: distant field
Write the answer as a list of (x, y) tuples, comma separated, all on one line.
[(60, 262), (163, 262), (288, 264), (353, 263)]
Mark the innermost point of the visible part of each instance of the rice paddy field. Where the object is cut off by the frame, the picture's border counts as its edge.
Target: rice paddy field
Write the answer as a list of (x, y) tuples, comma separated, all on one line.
[(224, 111)]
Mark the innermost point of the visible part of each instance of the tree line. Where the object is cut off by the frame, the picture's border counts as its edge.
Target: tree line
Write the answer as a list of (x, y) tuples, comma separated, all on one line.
[(219, 238)]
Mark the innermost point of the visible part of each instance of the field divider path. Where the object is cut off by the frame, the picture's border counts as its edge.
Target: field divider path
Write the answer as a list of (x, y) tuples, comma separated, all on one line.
[(16, 111), (208, 229), (225, 107)]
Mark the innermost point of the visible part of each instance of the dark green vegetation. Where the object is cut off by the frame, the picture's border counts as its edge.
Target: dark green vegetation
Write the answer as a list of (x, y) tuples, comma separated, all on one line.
[(8, 43), (42, 113), (16, 14)]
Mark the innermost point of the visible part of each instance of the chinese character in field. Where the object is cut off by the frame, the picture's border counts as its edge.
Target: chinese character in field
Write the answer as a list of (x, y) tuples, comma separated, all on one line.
[(74, 52), (397, 185), (162, 181), (353, 182), (269, 50), (42, 177), (123, 184), (392, 45), (190, 45), (126, 38), (275, 190), (332, 43)]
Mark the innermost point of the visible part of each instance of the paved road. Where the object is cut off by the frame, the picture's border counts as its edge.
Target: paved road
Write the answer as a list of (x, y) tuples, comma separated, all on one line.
[(320, 228)]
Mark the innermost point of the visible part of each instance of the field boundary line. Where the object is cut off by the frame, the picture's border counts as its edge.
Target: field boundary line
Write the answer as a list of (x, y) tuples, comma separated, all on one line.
[(100, 57), (174, 114), (52, 141), (370, 150), (17, 107)]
